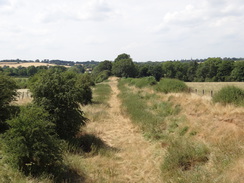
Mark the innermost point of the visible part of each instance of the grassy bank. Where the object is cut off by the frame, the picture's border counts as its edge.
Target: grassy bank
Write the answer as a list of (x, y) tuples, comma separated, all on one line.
[(194, 150)]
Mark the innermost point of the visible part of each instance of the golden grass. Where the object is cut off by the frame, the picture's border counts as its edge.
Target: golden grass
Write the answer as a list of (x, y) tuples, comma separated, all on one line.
[(23, 98), (211, 86), (134, 159), (24, 64)]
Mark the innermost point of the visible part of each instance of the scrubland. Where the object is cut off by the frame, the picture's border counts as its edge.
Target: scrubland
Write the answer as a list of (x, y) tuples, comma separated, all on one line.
[(137, 133)]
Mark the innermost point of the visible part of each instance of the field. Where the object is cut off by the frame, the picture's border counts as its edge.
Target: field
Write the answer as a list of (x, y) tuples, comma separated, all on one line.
[(207, 87), (23, 64), (138, 134)]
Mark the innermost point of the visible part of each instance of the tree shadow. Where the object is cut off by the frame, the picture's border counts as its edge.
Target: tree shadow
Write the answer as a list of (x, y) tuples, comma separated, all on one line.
[(90, 145)]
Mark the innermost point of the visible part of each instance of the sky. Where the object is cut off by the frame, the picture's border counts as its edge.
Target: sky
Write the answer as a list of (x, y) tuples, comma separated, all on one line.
[(147, 30)]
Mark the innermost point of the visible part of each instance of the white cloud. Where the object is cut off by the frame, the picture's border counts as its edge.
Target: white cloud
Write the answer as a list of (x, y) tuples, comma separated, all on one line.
[(100, 29)]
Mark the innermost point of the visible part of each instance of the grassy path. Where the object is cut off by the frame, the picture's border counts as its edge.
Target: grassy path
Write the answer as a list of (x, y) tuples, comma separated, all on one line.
[(135, 159)]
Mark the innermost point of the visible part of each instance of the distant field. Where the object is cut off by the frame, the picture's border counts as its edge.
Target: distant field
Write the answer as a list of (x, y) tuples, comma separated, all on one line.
[(211, 86), (23, 64)]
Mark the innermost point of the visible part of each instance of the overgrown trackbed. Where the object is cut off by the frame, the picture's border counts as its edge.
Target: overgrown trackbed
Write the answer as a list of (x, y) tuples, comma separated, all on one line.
[(136, 159)]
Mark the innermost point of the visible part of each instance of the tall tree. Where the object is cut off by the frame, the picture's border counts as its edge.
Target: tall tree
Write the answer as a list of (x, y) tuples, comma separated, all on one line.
[(123, 66)]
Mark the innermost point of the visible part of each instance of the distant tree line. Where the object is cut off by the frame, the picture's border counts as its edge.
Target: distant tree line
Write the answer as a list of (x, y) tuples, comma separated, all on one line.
[(88, 64), (210, 70), (32, 70)]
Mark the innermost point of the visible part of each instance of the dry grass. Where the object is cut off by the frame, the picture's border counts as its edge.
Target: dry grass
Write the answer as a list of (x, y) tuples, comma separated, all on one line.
[(134, 159), (23, 98), (211, 86), (24, 64)]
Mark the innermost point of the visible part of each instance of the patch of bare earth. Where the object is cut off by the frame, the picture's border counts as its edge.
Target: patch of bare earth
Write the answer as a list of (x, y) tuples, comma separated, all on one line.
[(135, 159)]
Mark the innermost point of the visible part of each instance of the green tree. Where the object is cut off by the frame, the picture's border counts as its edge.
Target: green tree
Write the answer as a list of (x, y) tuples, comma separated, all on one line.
[(57, 92), (237, 73), (31, 70), (224, 70), (8, 92), (123, 66), (31, 144)]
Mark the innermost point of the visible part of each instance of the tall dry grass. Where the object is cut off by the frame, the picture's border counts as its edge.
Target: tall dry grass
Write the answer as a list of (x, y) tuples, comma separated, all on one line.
[(219, 128)]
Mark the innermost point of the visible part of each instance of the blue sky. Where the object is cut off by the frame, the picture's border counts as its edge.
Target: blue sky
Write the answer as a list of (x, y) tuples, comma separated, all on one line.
[(153, 30)]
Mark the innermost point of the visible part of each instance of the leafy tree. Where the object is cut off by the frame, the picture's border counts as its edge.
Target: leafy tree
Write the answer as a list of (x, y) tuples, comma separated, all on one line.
[(77, 68), (8, 92), (224, 70), (103, 66), (123, 66), (122, 56), (31, 70), (237, 73), (191, 70), (57, 92), (31, 144), (156, 71)]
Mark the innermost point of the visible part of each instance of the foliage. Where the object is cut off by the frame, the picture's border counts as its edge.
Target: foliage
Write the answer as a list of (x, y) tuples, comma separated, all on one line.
[(102, 76), (230, 95), (171, 85), (60, 94), (102, 66), (237, 73), (8, 92), (21, 83), (31, 144), (143, 82), (123, 66), (83, 84)]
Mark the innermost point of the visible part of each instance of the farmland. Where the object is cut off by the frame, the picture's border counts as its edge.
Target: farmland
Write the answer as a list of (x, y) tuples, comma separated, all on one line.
[(24, 64)]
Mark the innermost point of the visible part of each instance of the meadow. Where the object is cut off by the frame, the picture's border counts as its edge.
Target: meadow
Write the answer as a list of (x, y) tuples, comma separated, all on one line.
[(211, 86)]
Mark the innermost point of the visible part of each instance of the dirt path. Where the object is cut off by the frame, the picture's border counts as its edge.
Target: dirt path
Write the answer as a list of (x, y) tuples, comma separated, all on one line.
[(137, 160)]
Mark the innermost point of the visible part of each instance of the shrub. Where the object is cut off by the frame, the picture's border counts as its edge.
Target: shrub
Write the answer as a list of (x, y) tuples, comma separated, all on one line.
[(143, 82), (8, 92), (102, 76), (60, 93), (171, 85), (230, 95), (31, 144), (184, 155)]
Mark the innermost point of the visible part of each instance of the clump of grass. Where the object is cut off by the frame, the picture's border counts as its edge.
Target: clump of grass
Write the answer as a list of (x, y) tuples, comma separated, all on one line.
[(102, 93), (230, 95), (171, 85), (184, 155)]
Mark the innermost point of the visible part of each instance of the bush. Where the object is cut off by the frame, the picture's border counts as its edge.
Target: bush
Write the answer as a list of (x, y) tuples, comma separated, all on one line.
[(230, 95), (31, 144), (184, 155), (102, 76), (8, 92), (60, 93), (171, 85), (143, 82)]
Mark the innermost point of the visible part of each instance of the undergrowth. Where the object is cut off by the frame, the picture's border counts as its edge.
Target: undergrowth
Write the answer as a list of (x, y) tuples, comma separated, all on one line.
[(230, 95), (187, 158)]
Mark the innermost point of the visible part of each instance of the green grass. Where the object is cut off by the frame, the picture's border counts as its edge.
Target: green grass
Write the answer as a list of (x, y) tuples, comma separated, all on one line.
[(171, 86), (142, 82), (101, 93), (147, 110)]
